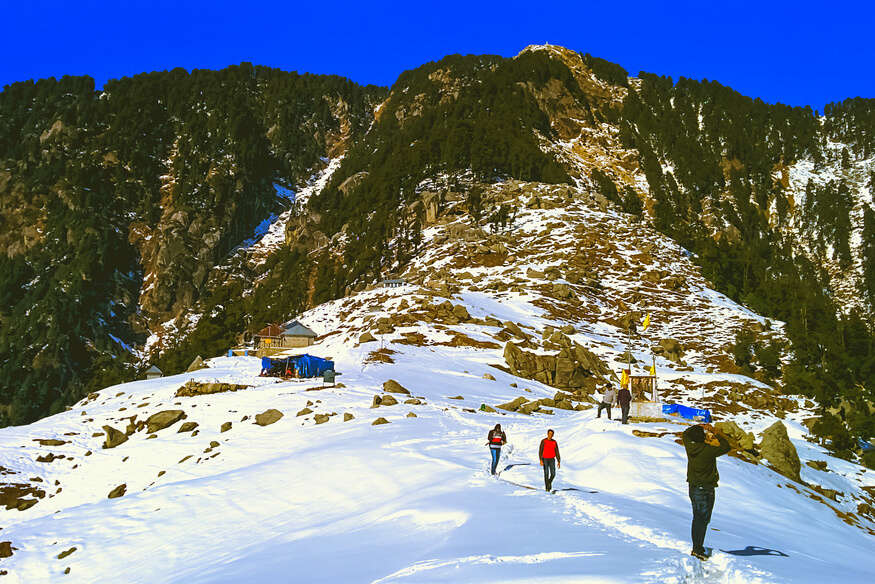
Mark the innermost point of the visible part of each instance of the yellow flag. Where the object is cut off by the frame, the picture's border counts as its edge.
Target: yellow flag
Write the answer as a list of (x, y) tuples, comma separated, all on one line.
[(646, 323), (624, 379), (653, 370)]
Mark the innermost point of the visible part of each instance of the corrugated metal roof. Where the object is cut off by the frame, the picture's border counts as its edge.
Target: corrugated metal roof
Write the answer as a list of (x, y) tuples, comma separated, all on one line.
[(271, 330), (296, 329)]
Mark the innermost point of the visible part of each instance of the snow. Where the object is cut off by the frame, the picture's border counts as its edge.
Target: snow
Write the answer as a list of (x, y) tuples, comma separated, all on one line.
[(411, 501)]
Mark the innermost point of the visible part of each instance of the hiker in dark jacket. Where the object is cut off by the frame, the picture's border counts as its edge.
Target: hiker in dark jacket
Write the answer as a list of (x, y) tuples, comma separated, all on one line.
[(495, 440), (624, 398), (702, 476), (548, 453)]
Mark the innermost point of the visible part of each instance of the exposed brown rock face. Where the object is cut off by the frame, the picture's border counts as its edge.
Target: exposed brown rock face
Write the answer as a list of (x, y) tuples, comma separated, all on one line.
[(574, 367)]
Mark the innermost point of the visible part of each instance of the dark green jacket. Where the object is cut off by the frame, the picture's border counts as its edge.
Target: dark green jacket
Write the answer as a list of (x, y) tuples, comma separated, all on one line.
[(702, 460)]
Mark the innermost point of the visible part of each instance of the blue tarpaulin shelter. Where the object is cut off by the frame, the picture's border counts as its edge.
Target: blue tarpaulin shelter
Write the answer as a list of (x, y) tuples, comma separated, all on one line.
[(687, 412), (296, 365)]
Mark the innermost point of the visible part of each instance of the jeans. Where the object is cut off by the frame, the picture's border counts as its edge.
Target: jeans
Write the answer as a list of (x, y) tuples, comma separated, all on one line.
[(702, 498), (624, 409), (549, 472), (496, 453), (603, 406)]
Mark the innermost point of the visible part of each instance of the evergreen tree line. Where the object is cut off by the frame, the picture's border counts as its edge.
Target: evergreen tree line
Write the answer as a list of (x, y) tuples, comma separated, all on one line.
[(84, 166), (724, 149)]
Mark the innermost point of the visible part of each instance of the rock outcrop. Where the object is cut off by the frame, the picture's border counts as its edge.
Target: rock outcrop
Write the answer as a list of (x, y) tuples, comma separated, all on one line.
[(573, 368), (780, 452)]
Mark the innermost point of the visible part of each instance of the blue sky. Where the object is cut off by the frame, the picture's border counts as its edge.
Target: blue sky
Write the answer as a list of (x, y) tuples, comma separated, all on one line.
[(801, 53)]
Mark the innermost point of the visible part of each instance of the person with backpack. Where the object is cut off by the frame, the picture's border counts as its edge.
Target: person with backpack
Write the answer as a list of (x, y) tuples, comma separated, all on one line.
[(702, 477), (624, 398), (495, 440), (608, 398), (548, 453)]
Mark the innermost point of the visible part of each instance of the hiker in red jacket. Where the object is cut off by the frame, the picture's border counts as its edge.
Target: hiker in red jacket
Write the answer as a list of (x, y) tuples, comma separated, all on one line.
[(495, 440), (548, 453)]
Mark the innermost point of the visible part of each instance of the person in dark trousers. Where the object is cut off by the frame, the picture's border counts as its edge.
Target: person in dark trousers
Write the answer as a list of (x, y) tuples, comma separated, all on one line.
[(624, 398), (608, 397), (548, 453), (702, 476), (496, 439)]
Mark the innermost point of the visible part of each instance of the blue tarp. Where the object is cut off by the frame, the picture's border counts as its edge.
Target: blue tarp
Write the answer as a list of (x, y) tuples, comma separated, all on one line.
[(302, 365), (687, 412)]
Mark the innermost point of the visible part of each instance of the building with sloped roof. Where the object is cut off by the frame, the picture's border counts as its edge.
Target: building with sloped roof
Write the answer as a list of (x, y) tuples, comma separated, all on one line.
[(290, 334)]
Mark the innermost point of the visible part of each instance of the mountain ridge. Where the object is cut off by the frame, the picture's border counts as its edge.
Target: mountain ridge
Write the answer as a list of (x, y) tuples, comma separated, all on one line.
[(707, 179)]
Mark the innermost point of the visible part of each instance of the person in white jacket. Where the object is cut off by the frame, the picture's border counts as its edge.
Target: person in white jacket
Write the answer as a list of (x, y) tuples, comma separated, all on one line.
[(609, 396)]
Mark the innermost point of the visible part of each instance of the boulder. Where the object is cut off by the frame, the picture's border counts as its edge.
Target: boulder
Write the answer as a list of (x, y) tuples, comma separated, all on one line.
[(376, 402), (392, 386), (562, 290), (738, 438), (486, 408), (817, 465), (321, 418), (411, 415), (113, 437), (197, 364), (118, 491), (6, 549), (529, 408), (50, 442), (515, 330), (304, 412), (512, 406), (187, 427), (268, 417), (489, 376), (163, 419), (347, 417), (670, 349), (461, 313), (388, 400), (379, 421), (413, 401), (780, 452), (366, 338), (225, 427)]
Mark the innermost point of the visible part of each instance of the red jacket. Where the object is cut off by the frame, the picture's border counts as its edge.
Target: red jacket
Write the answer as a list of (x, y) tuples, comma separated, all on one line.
[(549, 449)]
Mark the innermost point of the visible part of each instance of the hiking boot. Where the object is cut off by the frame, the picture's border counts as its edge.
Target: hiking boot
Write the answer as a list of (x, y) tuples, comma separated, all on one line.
[(700, 554)]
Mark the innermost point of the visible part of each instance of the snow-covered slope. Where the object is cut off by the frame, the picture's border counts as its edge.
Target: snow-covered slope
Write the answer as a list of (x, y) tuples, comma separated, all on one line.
[(412, 500)]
